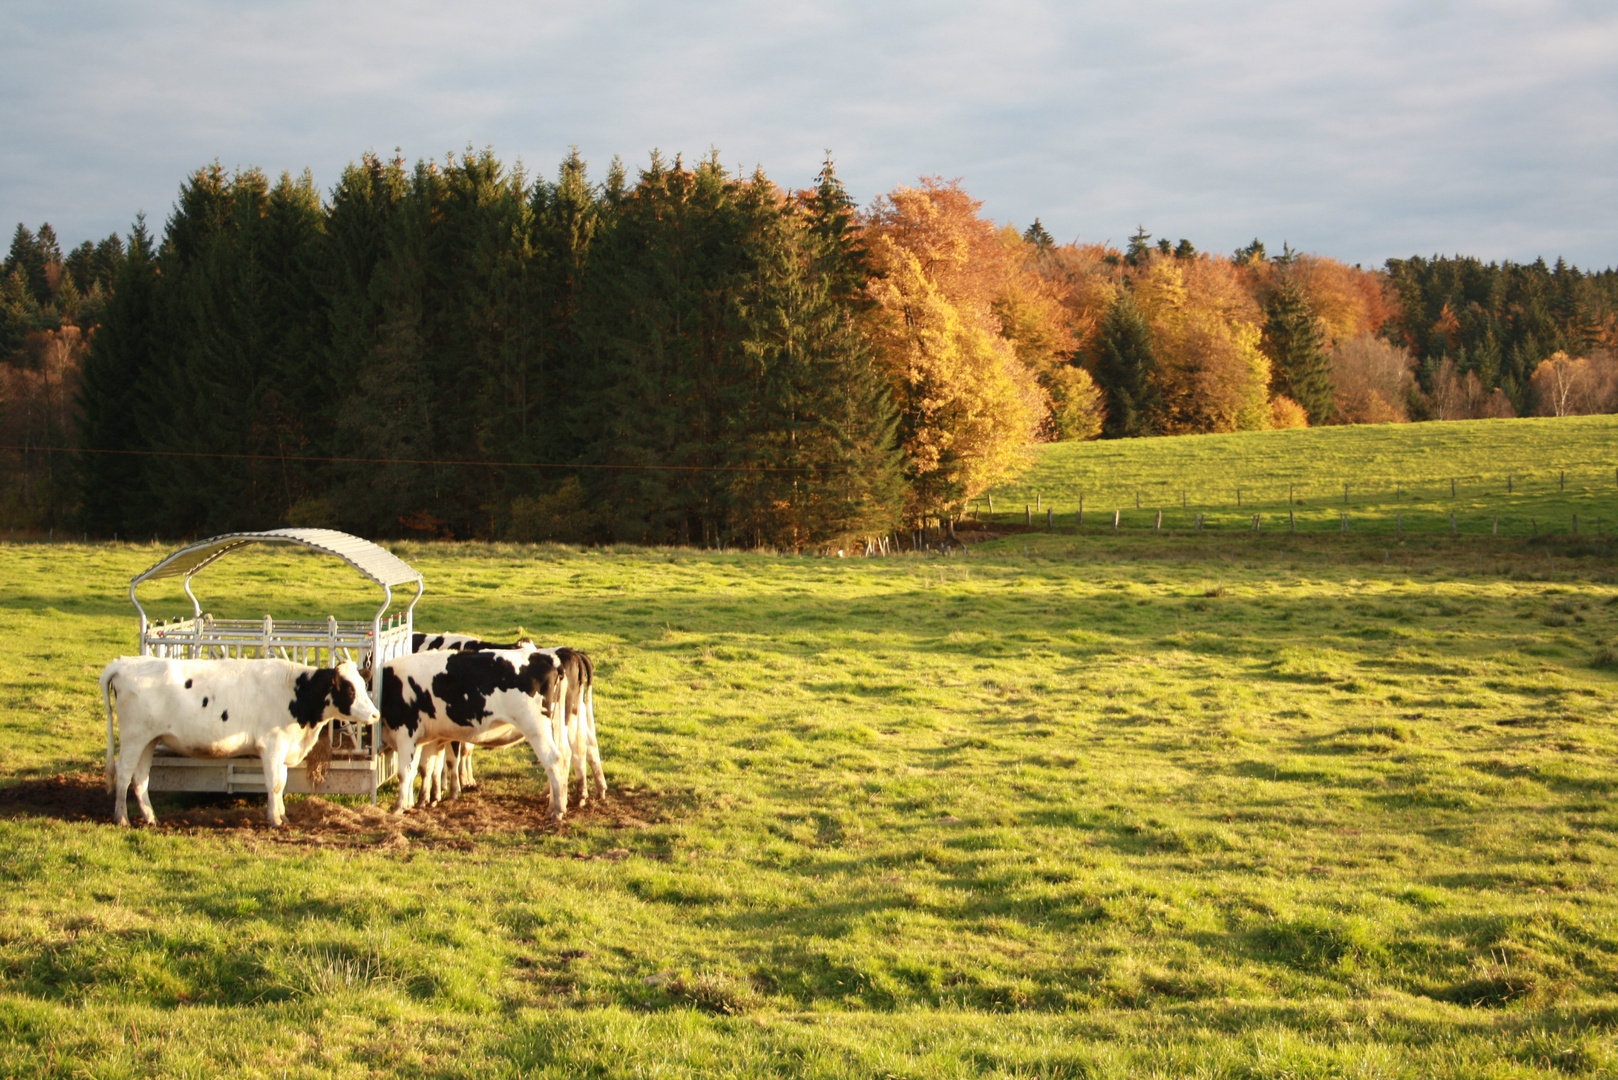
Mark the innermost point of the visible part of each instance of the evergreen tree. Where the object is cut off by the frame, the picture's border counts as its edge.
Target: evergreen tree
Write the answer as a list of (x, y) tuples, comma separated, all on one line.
[(1039, 236), (113, 396), (1125, 368), (1292, 341)]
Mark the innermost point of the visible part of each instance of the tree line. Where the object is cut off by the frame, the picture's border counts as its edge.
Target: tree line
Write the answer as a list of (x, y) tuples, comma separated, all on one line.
[(692, 356)]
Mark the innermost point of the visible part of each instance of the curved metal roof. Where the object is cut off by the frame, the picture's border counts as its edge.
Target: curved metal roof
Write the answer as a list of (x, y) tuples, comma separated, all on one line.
[(378, 564)]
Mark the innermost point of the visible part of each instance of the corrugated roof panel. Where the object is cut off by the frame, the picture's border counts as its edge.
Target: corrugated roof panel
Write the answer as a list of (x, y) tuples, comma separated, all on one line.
[(378, 564)]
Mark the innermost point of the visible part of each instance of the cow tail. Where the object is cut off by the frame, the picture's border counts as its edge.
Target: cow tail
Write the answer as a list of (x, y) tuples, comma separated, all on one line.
[(107, 692)]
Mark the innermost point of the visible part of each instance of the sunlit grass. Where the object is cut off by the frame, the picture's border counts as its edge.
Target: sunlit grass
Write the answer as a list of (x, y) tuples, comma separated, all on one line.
[(1112, 808)]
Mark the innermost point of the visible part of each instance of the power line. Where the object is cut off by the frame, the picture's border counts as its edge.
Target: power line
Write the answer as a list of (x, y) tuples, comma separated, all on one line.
[(413, 461)]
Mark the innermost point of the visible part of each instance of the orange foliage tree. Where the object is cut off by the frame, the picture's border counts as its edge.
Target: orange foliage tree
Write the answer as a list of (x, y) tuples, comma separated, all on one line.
[(963, 328)]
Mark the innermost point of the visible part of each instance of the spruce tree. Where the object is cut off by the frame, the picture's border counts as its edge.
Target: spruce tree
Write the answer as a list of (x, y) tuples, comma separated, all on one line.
[(1292, 339), (1126, 369)]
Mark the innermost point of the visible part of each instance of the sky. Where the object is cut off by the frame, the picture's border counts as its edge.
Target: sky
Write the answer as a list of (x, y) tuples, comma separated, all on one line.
[(1362, 130)]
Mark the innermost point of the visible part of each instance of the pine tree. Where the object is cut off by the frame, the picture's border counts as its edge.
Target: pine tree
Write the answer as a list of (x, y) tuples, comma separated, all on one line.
[(1292, 341), (112, 396), (1039, 236), (1125, 368)]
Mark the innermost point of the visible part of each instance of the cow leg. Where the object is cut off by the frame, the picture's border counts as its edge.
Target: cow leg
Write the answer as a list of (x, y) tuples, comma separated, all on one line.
[(273, 761), (134, 764), (549, 757), (453, 752), (467, 779), (588, 718), (406, 751)]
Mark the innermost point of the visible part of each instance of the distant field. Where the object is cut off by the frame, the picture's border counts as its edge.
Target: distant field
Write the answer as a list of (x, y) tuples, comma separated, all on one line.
[(1126, 807), (1533, 474)]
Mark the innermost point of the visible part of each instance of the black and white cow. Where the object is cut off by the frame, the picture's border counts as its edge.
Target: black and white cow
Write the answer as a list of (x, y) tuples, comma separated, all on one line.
[(477, 698), (460, 643), (578, 671), (219, 709), (458, 755)]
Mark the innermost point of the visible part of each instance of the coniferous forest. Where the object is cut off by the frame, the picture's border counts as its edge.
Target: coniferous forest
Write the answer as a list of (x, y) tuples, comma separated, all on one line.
[(692, 355)]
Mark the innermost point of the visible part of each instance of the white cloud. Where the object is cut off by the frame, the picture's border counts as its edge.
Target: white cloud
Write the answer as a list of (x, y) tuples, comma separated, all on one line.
[(1363, 130)]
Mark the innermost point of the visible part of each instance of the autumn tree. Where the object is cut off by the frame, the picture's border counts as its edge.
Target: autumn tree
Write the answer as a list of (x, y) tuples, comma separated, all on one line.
[(969, 408)]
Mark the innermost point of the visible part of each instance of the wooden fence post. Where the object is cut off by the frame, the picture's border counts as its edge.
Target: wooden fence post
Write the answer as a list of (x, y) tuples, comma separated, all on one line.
[(991, 504), (1238, 496), (1182, 500), (1137, 500), (1452, 487), (1508, 485), (1345, 521), (1452, 526), (1561, 480), (1255, 521), (1027, 515), (1345, 493), (1115, 516), (1159, 524)]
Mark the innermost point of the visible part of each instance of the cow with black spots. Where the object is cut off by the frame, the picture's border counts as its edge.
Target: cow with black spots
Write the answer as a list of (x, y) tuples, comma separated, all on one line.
[(480, 699), (219, 709)]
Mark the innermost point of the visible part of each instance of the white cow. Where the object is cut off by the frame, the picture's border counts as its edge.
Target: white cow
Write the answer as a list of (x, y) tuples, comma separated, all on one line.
[(477, 698), (219, 709)]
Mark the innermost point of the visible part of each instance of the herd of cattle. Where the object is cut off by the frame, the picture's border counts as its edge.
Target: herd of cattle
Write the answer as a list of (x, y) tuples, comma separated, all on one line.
[(452, 693)]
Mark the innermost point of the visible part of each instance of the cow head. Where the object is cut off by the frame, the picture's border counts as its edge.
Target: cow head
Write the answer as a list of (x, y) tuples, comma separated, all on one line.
[(326, 693)]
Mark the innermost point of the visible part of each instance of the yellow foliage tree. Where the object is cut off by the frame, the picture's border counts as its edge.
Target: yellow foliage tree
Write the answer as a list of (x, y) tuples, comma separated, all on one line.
[(965, 331), (969, 410), (1212, 376)]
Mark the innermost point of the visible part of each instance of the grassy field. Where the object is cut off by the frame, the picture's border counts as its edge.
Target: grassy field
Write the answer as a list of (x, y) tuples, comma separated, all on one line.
[(1137, 806), (1533, 475)]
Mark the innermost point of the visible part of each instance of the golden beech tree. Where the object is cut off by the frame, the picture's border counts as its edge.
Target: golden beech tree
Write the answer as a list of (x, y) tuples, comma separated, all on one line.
[(970, 406), (1211, 375)]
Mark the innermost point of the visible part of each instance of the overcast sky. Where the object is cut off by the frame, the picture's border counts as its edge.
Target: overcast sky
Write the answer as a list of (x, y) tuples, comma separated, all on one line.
[(1363, 129)]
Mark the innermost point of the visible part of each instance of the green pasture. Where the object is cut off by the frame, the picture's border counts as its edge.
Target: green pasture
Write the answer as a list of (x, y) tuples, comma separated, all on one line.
[(1060, 807), (1522, 477)]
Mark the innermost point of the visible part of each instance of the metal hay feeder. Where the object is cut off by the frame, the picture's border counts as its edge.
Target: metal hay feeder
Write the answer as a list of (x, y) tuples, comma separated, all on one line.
[(358, 764)]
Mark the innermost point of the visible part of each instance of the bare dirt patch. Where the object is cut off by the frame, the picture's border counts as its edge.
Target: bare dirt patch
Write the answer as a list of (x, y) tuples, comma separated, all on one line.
[(319, 822)]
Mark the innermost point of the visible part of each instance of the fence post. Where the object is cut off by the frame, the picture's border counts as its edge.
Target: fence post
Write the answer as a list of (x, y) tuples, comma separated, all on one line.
[(1159, 524), (1398, 491), (1039, 501), (1182, 500), (1345, 493), (1345, 521), (1452, 526), (1255, 521), (1508, 485), (1238, 496), (1292, 491), (1115, 515), (1452, 487), (1199, 522), (1561, 480), (991, 503), (1137, 500), (1027, 515)]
